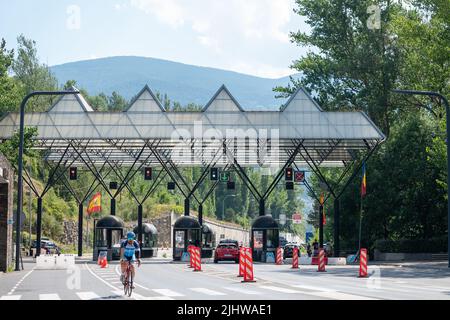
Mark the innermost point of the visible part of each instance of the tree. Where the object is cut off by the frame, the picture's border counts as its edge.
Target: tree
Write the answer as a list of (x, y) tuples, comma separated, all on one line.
[(352, 67), (32, 74), (10, 90), (116, 102)]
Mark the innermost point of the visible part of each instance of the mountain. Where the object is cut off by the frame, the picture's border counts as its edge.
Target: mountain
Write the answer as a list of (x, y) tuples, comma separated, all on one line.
[(181, 82)]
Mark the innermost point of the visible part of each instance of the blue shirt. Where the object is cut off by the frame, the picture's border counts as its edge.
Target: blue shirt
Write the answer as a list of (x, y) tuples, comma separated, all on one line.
[(130, 249)]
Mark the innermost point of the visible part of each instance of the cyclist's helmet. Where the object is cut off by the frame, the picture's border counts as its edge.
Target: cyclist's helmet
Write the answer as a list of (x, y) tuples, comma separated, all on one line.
[(131, 235)]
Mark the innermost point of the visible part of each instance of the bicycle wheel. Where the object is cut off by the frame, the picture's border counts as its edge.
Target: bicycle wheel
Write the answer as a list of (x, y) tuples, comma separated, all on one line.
[(130, 284)]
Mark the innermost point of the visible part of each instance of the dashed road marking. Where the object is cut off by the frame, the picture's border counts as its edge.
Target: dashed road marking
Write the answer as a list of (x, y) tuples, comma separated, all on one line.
[(242, 290), (168, 293), (208, 292), (11, 297), (279, 289), (87, 295), (49, 296)]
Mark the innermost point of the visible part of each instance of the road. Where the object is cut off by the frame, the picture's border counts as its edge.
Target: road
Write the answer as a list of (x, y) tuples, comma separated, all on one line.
[(162, 279)]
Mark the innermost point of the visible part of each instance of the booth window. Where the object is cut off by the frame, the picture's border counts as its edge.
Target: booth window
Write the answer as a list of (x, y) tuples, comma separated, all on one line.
[(101, 238), (192, 236), (179, 239), (258, 239), (272, 241)]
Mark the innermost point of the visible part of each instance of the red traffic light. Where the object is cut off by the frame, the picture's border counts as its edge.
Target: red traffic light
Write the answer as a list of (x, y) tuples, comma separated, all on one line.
[(289, 174), (73, 173), (148, 173)]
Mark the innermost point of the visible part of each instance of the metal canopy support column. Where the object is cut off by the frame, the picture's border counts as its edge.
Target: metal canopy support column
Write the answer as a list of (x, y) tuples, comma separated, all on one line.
[(140, 224), (38, 226), (336, 228), (80, 229)]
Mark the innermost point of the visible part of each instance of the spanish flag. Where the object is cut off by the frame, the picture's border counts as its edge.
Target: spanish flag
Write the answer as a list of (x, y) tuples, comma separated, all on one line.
[(95, 205), (363, 182)]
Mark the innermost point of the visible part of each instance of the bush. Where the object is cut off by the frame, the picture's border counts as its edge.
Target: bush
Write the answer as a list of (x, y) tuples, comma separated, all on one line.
[(432, 245)]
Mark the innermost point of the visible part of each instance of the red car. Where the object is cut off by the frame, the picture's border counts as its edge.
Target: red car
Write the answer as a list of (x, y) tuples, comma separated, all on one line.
[(226, 252)]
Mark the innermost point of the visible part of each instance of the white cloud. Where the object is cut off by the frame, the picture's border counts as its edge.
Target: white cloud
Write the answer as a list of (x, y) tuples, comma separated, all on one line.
[(260, 70), (170, 12), (233, 32)]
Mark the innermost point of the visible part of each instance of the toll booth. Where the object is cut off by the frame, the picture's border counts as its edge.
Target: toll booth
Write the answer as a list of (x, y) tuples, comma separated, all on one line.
[(264, 237), (149, 247), (108, 233), (208, 241), (186, 231)]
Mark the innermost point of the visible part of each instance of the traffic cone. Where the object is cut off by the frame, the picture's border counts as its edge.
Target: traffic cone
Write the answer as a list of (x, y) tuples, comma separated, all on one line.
[(279, 259), (241, 261), (104, 263)]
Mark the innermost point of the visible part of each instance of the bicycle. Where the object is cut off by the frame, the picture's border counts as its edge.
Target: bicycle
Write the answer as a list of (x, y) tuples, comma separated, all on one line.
[(128, 280)]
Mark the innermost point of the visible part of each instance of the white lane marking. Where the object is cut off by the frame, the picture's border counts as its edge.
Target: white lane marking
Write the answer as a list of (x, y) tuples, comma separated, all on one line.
[(279, 289), (339, 296), (208, 291), (242, 290), (20, 281), (49, 296), (99, 278), (89, 295), (11, 297), (313, 288), (140, 297), (168, 293)]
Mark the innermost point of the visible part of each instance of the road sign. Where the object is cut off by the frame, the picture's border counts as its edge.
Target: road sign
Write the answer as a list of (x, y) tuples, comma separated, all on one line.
[(282, 219), (224, 176), (296, 218), (299, 176)]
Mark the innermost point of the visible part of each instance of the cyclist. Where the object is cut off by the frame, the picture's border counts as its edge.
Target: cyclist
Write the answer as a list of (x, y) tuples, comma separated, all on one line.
[(128, 250)]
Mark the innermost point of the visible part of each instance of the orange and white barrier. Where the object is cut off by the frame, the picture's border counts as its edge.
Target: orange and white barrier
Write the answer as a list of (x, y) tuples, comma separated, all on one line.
[(196, 256), (191, 261), (321, 265), (363, 263), (241, 261), (295, 258), (248, 271), (279, 258)]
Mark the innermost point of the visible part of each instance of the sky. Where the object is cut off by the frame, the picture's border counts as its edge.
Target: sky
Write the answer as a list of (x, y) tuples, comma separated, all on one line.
[(247, 36)]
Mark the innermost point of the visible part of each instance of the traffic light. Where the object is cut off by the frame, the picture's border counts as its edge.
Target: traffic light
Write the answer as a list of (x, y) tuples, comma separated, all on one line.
[(214, 174), (288, 174), (171, 186), (148, 173), (289, 185), (73, 173), (230, 185), (113, 185)]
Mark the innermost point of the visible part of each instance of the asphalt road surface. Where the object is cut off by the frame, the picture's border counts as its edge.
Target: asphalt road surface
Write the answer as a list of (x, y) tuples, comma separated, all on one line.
[(162, 279)]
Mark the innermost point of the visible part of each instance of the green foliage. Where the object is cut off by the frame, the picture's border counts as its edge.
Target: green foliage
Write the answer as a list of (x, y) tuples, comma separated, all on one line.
[(10, 148), (10, 90), (431, 245)]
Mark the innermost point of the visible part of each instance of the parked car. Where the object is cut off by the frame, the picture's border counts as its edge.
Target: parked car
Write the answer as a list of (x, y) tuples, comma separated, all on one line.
[(289, 250), (227, 252), (47, 245), (283, 241)]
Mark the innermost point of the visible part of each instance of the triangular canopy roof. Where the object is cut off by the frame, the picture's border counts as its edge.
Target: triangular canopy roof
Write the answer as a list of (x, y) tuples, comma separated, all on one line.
[(145, 101), (71, 103), (223, 101)]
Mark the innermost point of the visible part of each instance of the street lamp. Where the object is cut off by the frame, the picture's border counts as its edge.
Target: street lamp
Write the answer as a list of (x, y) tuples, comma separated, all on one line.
[(445, 102), (20, 165), (223, 204)]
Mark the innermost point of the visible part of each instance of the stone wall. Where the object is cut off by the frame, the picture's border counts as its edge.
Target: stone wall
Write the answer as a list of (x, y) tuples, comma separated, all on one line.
[(6, 213)]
